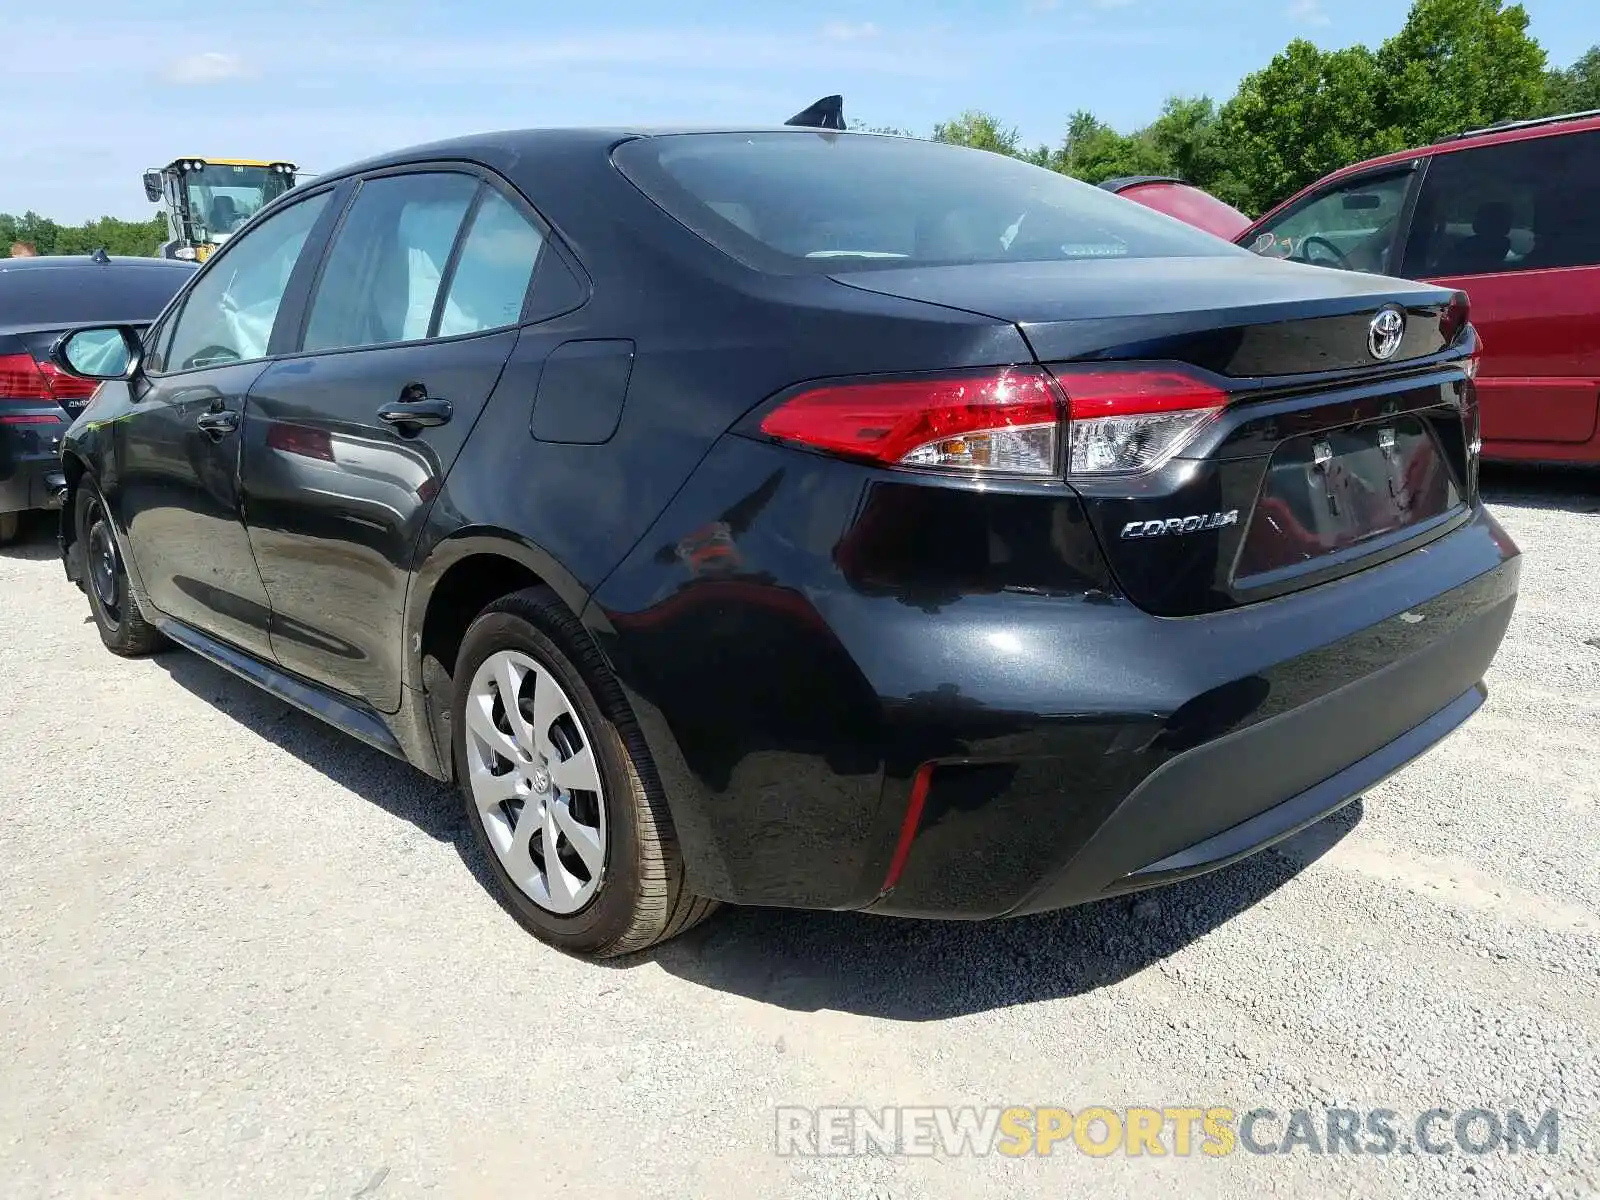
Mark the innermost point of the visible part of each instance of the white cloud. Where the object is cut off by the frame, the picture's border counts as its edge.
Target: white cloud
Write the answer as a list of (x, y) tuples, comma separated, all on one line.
[(1309, 12), (202, 70), (848, 31)]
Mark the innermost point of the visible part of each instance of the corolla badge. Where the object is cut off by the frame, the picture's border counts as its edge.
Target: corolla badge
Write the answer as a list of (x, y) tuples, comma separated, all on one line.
[(1385, 333), (1172, 525)]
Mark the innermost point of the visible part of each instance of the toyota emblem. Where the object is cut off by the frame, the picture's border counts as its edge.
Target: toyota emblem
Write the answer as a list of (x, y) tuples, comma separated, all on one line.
[(1385, 333)]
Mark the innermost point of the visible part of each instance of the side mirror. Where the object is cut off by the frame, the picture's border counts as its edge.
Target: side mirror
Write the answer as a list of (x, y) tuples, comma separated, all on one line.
[(152, 186), (99, 352), (1361, 201)]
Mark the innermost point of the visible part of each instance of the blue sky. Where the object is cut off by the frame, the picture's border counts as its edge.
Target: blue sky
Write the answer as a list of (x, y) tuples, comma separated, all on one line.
[(115, 88)]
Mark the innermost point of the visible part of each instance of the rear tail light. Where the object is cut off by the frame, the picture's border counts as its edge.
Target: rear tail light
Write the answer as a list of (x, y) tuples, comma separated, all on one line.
[(1008, 421), (1005, 421), (1132, 420), (64, 386), (22, 378)]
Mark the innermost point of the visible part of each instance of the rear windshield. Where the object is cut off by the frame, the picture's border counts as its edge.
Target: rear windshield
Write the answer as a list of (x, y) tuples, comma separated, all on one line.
[(61, 294), (802, 200)]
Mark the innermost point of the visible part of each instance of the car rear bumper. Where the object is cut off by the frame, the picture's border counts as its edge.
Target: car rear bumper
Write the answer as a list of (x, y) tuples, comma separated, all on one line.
[(1075, 746), (1240, 765), (30, 466)]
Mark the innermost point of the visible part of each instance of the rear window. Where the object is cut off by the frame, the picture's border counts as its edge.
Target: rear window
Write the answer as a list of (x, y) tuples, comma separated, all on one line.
[(810, 201), (59, 294)]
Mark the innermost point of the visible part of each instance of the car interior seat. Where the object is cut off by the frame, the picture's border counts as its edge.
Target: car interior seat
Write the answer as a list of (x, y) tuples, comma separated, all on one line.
[(1485, 250)]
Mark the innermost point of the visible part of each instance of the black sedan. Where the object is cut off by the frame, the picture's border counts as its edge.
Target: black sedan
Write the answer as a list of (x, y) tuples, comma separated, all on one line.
[(39, 297), (805, 518)]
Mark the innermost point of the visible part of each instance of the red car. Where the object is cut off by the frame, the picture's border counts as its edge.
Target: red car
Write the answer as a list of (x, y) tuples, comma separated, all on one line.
[(1510, 215), (1170, 195)]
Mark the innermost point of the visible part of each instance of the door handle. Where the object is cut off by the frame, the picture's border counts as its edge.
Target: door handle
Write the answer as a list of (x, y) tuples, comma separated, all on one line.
[(218, 422), (426, 412)]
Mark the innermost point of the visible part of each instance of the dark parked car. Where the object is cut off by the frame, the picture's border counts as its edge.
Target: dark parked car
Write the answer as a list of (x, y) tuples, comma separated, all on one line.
[(807, 518), (39, 297), (1509, 214)]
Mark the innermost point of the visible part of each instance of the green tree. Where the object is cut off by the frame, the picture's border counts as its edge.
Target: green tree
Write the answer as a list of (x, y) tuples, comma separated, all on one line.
[(983, 131), (1093, 151), (1306, 113), (39, 232), (1185, 134), (1575, 89), (140, 239), (1459, 64)]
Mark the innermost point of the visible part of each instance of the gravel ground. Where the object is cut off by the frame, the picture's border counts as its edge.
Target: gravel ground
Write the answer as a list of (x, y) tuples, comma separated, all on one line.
[(244, 956)]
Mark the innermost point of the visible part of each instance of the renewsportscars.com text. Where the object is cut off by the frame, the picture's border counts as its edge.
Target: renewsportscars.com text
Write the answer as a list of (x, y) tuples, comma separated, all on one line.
[(1208, 1131)]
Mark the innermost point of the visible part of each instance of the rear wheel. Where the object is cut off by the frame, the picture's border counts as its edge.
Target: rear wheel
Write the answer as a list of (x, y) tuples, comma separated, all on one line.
[(117, 615), (10, 523), (559, 788)]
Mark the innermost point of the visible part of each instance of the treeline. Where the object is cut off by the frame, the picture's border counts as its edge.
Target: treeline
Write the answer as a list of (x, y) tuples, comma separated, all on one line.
[(120, 238), (1454, 65)]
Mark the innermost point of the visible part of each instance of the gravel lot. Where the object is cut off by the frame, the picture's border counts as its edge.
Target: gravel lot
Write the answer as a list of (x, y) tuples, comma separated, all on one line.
[(243, 955)]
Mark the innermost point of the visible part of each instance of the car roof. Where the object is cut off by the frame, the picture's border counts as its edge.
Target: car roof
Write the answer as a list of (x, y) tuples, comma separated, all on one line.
[(1493, 135), (89, 262), (503, 148)]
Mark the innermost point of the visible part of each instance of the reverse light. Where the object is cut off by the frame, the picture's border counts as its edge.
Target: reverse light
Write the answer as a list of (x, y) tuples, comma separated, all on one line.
[(1005, 421), (1127, 421)]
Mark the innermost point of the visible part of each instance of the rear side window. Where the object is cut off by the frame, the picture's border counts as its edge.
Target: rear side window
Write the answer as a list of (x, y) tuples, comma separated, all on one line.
[(1519, 206), (808, 201), (494, 269), (381, 279)]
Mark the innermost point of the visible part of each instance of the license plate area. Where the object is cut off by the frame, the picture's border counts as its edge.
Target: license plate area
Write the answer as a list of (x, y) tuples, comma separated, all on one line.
[(1336, 492)]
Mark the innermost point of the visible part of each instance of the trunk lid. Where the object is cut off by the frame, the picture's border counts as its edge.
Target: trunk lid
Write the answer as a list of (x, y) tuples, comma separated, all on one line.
[(1325, 459), (1244, 314)]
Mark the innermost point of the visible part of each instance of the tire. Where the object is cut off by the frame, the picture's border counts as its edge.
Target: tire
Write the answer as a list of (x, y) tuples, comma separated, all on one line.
[(627, 892), (10, 523), (116, 612)]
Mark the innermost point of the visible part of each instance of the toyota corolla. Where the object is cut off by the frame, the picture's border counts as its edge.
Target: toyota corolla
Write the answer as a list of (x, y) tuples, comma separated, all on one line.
[(802, 518)]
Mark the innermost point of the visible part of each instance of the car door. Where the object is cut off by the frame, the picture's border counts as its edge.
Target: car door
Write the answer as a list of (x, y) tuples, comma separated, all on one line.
[(409, 325), (1354, 223), (1514, 225), (177, 451)]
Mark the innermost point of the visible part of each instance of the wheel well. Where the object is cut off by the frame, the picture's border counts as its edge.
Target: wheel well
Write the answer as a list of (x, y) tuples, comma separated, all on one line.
[(73, 469), (460, 595)]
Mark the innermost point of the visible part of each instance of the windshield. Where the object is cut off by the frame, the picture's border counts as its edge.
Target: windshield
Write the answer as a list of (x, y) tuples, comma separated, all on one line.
[(810, 201), (223, 197)]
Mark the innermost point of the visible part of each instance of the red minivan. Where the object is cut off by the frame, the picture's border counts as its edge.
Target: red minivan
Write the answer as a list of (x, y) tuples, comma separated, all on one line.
[(1510, 215)]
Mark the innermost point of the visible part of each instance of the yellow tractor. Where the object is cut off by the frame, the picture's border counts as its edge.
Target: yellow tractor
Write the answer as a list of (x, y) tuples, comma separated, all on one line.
[(206, 199)]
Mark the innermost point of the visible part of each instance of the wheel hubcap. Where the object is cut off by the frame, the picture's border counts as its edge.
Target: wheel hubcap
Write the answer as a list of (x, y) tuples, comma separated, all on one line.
[(535, 782), (103, 566)]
